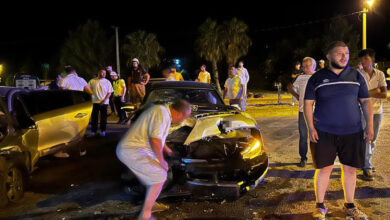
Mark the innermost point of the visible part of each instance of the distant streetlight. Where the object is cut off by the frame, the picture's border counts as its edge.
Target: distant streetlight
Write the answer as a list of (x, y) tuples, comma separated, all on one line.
[(1, 69), (368, 3)]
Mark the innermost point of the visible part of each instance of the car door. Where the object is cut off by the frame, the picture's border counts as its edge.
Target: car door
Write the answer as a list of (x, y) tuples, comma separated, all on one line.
[(77, 116), (49, 118)]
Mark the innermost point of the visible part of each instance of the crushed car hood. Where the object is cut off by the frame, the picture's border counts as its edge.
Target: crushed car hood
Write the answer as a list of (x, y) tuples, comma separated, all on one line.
[(216, 124)]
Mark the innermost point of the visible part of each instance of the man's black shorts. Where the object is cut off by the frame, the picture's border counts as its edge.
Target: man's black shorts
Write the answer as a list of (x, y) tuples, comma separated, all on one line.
[(350, 149)]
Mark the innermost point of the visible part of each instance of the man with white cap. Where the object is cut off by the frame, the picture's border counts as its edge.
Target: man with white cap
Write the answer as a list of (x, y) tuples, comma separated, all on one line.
[(136, 82)]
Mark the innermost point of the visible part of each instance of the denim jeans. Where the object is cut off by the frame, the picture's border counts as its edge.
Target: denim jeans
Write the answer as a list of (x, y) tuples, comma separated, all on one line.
[(371, 145), (302, 136)]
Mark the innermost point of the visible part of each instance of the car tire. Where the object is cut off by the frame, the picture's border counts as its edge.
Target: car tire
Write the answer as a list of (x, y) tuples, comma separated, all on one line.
[(12, 183)]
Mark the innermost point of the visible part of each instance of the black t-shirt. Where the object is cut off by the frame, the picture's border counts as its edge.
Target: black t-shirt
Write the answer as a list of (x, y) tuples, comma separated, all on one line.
[(137, 75)]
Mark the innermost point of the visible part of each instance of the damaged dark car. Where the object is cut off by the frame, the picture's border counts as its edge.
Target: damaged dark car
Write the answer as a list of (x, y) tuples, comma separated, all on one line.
[(218, 152)]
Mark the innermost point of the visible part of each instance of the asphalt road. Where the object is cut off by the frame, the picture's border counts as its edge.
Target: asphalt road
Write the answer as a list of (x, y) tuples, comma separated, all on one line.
[(90, 187)]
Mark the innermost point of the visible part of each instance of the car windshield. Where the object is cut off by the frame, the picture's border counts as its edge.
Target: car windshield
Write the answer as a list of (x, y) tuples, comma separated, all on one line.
[(194, 96)]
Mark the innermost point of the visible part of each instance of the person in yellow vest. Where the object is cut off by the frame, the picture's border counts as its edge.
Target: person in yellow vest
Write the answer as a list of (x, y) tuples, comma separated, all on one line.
[(233, 87), (203, 76), (119, 87), (176, 75)]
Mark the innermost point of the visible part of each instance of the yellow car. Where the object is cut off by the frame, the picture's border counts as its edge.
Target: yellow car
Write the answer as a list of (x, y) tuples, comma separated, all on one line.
[(34, 124)]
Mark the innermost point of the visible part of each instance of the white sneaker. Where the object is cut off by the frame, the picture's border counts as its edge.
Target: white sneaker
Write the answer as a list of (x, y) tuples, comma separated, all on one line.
[(61, 154), (103, 133)]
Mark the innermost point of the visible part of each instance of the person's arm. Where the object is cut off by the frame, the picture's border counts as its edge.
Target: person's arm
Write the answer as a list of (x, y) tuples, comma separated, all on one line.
[(366, 105), (88, 89), (124, 91), (308, 112), (168, 150), (242, 91), (147, 79), (292, 91), (224, 92), (157, 147), (105, 98), (380, 93)]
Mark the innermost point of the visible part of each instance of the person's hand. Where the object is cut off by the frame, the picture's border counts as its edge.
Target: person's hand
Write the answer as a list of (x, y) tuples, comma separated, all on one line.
[(142, 83), (102, 102), (168, 151), (369, 134), (164, 165), (313, 135), (123, 99)]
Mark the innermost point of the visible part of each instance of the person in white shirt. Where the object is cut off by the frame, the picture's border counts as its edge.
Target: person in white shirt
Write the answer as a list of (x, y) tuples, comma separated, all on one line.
[(73, 82), (142, 148), (101, 92), (377, 87), (298, 91), (233, 87), (242, 72)]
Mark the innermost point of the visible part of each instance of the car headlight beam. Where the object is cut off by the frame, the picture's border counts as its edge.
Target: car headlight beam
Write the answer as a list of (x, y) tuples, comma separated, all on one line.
[(253, 150)]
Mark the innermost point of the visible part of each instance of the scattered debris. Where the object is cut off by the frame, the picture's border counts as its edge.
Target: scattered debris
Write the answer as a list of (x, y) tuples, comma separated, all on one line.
[(223, 202)]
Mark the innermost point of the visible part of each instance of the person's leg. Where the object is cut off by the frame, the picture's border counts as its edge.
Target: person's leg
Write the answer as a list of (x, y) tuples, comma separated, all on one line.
[(302, 136), (112, 105), (103, 117), (348, 178), (152, 193), (94, 117), (377, 125), (321, 181), (116, 102)]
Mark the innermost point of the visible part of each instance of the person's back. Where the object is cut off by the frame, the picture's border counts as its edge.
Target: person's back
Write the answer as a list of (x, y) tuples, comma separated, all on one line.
[(137, 137)]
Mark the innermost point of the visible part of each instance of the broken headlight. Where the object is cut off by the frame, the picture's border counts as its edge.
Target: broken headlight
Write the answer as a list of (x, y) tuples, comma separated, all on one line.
[(253, 149)]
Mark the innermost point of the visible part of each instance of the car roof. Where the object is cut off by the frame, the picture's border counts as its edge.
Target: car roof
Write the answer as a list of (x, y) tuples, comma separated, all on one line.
[(180, 84)]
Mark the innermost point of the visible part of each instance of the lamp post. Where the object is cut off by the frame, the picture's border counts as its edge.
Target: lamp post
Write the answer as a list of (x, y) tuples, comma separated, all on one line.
[(365, 10)]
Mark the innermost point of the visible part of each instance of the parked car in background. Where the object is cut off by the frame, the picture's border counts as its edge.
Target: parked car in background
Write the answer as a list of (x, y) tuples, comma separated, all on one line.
[(219, 151), (34, 124)]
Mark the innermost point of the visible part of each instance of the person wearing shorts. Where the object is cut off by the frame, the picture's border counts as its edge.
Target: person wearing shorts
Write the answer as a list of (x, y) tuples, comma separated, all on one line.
[(335, 129), (142, 147)]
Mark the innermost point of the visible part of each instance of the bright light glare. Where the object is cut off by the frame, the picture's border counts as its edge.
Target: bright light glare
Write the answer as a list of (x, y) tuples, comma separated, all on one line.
[(370, 2), (252, 151)]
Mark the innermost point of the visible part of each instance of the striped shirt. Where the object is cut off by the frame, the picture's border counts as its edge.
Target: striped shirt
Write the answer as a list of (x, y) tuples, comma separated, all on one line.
[(337, 108)]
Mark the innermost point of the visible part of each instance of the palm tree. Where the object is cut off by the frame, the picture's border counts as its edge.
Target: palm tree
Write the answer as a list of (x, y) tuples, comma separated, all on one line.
[(143, 46), (235, 39), (209, 46), (87, 49)]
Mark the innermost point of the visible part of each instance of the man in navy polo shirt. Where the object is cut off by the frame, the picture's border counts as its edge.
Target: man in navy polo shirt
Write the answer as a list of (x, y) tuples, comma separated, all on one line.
[(335, 129)]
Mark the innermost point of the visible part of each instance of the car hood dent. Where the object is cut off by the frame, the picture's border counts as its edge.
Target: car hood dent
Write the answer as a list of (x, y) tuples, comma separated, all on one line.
[(214, 125)]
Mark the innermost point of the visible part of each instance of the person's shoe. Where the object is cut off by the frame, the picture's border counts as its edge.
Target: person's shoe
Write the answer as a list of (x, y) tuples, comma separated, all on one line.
[(103, 134), (302, 163), (61, 155), (83, 152), (159, 207), (319, 214), (354, 214), (367, 175)]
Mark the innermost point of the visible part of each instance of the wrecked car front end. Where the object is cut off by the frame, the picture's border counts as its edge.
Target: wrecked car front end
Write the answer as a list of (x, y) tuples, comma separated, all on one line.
[(219, 153)]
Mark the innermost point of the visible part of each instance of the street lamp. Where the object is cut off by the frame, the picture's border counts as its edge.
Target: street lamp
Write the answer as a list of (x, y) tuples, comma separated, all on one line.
[(368, 3)]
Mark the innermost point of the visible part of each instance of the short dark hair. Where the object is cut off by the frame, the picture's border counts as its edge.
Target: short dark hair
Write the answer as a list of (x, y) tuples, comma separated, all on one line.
[(69, 69), (181, 105), (370, 52), (204, 65), (335, 44)]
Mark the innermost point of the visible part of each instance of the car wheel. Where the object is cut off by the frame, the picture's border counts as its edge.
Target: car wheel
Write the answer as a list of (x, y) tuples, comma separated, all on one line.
[(12, 183)]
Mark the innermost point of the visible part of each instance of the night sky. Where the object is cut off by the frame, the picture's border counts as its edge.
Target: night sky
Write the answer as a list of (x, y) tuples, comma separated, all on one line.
[(36, 32)]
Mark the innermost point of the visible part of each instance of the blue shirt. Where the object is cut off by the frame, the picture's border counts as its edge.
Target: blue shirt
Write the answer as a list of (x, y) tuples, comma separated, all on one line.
[(337, 107)]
